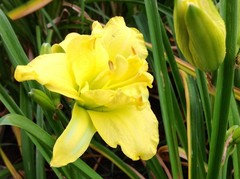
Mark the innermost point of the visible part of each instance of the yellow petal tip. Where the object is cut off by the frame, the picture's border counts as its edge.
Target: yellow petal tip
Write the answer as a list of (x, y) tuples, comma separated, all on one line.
[(58, 161), (53, 163), (23, 73)]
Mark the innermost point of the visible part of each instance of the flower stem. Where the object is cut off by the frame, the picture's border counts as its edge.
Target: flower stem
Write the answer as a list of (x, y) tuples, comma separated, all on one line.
[(224, 90)]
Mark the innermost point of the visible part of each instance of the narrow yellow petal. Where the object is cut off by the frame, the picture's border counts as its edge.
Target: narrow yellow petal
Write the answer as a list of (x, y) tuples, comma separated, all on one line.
[(49, 70), (75, 139), (119, 39), (87, 58), (136, 131)]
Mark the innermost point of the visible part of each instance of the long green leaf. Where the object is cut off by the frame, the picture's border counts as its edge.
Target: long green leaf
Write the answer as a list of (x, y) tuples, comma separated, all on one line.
[(179, 122), (15, 51), (8, 101), (27, 145), (164, 88), (174, 67), (115, 159), (195, 142), (46, 154), (43, 137), (29, 126), (154, 165), (235, 120), (40, 169)]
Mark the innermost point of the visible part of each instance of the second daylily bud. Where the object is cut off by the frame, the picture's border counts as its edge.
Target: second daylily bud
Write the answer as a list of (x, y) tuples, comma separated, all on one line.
[(200, 33), (42, 99), (236, 135), (56, 99)]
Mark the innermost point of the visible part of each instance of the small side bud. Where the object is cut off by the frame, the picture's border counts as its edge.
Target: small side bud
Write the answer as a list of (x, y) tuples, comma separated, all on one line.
[(56, 99), (45, 49), (42, 99), (236, 136)]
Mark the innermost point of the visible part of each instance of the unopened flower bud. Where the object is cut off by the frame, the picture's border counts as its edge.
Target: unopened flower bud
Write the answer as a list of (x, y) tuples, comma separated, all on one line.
[(200, 33), (45, 49), (236, 135), (42, 99)]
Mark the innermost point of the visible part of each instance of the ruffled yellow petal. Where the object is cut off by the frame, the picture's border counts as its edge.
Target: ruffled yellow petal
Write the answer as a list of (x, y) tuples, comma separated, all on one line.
[(135, 71), (103, 100), (119, 39), (138, 91), (49, 70), (75, 139), (64, 44), (136, 131), (123, 72), (87, 58)]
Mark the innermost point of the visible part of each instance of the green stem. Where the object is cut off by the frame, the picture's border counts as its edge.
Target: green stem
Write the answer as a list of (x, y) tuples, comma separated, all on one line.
[(203, 90), (163, 84), (38, 38), (224, 91)]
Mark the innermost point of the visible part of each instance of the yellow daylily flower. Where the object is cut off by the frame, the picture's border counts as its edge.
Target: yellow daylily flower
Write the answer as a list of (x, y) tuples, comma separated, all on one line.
[(106, 74)]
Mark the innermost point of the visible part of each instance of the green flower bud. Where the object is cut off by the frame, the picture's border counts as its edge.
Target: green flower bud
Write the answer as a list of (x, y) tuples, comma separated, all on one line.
[(200, 33), (230, 131), (56, 99), (236, 135), (45, 49), (42, 99)]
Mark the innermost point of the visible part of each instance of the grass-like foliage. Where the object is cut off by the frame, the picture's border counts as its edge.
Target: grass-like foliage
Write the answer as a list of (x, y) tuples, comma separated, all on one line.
[(120, 89)]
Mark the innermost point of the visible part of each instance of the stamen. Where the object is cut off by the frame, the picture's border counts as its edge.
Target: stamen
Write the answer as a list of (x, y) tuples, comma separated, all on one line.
[(133, 51), (110, 64)]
